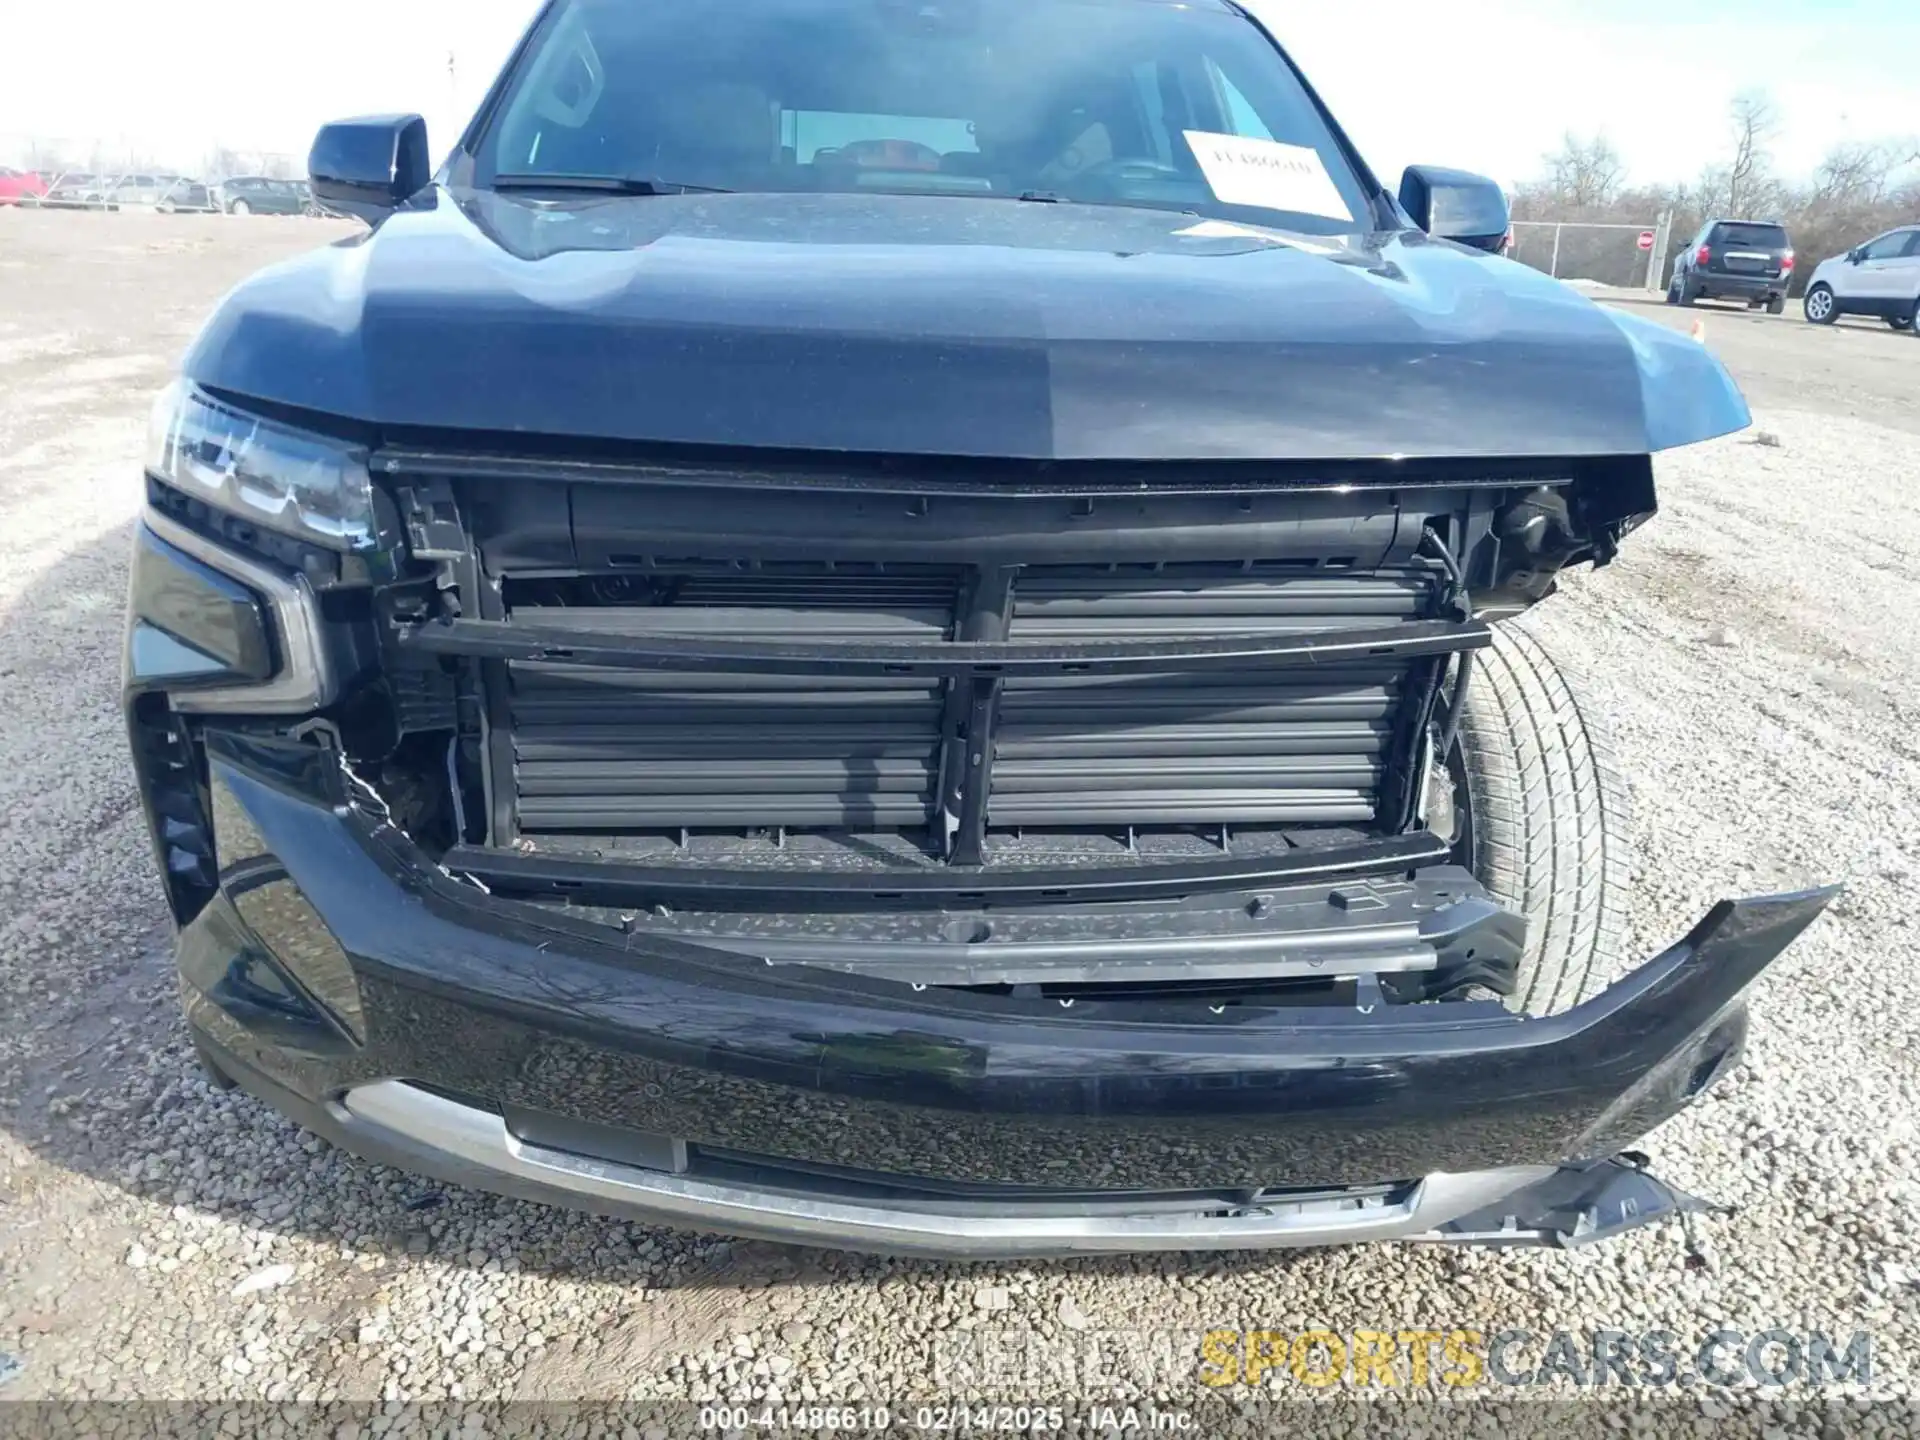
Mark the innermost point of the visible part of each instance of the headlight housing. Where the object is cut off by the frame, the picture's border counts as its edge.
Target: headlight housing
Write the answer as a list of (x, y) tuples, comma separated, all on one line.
[(308, 486)]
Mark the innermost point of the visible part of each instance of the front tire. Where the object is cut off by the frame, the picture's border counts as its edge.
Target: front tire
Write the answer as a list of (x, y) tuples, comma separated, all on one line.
[(1900, 322), (1547, 822), (1820, 306), (1777, 305), (240, 207)]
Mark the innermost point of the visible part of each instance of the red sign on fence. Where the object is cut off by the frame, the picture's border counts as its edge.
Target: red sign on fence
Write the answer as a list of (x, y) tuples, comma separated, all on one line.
[(1646, 239)]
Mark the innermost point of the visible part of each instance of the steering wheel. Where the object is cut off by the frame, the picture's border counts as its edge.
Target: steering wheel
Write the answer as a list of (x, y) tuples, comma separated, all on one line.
[(1133, 172)]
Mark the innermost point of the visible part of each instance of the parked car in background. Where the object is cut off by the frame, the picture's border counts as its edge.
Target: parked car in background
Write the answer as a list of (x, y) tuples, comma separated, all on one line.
[(20, 186), (140, 191), (260, 195), (1881, 277), (319, 208), (187, 197), (1750, 260), (78, 190)]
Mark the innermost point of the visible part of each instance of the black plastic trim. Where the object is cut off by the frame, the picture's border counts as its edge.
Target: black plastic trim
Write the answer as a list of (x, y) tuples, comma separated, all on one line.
[(702, 467), (593, 881), (497, 640)]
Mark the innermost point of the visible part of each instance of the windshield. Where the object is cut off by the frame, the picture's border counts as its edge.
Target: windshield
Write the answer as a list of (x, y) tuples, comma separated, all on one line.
[(1126, 102)]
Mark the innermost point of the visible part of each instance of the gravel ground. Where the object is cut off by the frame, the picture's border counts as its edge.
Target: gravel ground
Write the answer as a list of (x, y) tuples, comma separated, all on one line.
[(1753, 647)]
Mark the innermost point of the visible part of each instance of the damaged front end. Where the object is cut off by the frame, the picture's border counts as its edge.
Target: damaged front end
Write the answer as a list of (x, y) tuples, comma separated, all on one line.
[(954, 859)]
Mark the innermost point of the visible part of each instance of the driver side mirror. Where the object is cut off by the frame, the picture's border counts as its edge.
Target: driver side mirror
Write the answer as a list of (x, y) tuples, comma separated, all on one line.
[(371, 166), (1856, 255), (1456, 205)]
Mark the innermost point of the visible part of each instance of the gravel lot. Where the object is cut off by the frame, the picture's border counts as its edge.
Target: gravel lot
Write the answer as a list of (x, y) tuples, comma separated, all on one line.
[(1754, 648)]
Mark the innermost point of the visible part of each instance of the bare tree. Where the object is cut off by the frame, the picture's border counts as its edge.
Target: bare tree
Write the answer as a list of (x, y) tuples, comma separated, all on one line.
[(1585, 173), (1749, 179), (1856, 173)]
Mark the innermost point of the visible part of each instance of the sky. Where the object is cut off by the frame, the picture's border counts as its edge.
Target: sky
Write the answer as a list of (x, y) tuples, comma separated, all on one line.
[(1486, 85)]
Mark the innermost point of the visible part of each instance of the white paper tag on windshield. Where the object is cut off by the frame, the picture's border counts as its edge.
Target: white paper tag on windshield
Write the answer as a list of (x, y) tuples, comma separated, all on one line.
[(1267, 174)]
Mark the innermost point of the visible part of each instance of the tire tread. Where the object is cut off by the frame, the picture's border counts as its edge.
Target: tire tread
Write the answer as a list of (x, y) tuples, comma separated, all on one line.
[(1550, 819)]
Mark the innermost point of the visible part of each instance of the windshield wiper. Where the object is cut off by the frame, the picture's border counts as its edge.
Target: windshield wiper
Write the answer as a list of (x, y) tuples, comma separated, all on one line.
[(605, 184)]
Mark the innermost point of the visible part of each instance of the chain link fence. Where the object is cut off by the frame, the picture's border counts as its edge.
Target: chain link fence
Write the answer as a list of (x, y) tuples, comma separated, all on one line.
[(1604, 253)]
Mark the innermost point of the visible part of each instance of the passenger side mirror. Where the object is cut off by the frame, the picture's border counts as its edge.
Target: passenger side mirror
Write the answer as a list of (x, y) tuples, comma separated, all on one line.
[(1456, 205), (370, 166), (1856, 255)]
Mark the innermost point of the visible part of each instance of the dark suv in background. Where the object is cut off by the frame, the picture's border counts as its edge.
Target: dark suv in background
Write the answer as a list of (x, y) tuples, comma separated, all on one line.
[(1750, 260)]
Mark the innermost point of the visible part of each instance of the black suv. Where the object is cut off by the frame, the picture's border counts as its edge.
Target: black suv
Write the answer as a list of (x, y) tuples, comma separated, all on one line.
[(891, 635), (1750, 260)]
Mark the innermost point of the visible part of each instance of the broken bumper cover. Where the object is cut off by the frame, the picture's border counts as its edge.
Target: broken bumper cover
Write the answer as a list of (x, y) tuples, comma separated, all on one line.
[(410, 1017)]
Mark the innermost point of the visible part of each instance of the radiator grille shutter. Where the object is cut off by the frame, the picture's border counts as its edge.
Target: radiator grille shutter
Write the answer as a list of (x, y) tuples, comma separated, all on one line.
[(1273, 747), (626, 751), (605, 750)]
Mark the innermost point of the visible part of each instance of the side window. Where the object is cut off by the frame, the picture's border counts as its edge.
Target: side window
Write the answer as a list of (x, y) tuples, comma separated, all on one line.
[(1913, 244), (1240, 114), (1887, 246)]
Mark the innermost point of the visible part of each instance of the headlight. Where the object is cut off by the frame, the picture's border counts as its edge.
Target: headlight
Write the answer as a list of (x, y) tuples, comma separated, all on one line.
[(305, 485)]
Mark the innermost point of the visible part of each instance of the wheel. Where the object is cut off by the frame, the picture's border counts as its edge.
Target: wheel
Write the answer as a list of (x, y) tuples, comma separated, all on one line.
[(1900, 322), (1687, 296), (1776, 305), (1819, 306), (1533, 801), (240, 207), (1673, 291)]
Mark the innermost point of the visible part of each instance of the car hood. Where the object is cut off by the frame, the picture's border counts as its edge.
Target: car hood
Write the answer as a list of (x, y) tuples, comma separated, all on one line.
[(947, 325)]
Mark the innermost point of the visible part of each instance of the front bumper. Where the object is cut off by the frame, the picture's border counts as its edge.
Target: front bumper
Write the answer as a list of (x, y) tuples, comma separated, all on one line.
[(408, 1016)]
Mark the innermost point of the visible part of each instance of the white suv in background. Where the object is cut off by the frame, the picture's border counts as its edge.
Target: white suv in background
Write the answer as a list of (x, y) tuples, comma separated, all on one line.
[(1881, 277)]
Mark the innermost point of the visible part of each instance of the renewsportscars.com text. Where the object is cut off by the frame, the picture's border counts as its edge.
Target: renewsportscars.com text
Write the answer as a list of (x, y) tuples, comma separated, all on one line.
[(1402, 1357)]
